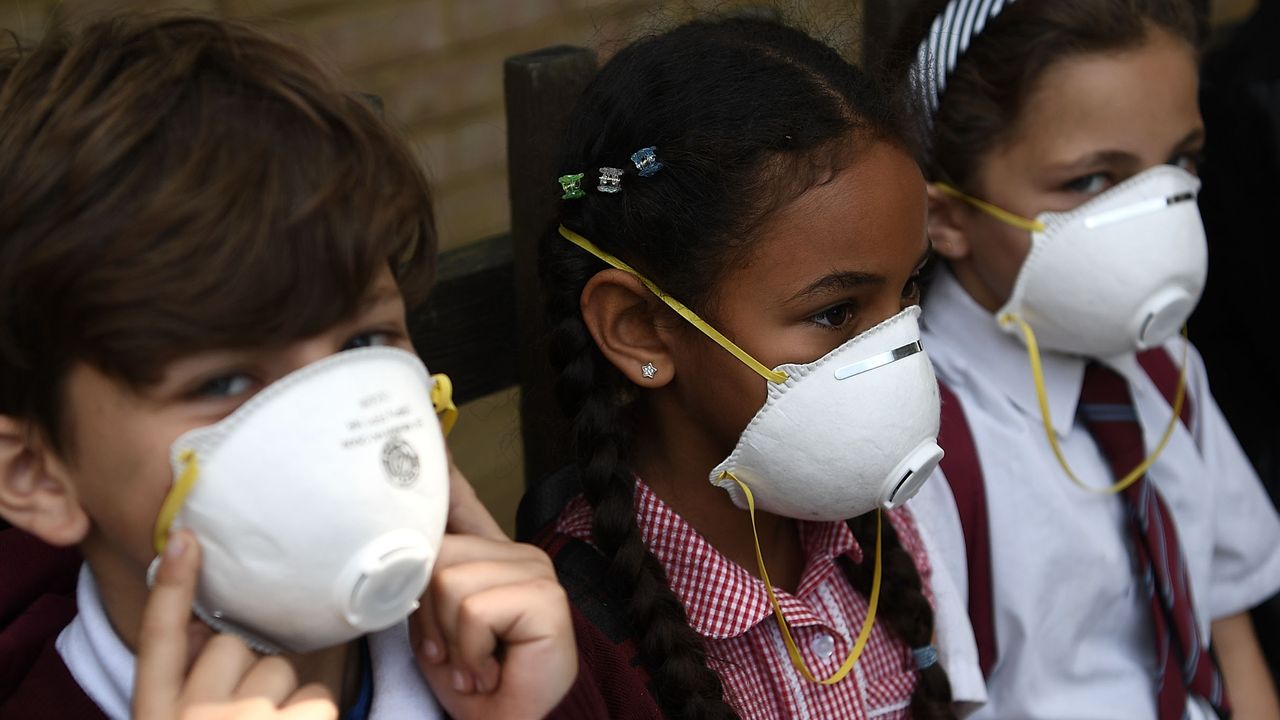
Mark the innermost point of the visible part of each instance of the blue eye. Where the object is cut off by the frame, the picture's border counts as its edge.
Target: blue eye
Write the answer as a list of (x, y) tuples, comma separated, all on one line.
[(1091, 184), (225, 386), (834, 317), (368, 339)]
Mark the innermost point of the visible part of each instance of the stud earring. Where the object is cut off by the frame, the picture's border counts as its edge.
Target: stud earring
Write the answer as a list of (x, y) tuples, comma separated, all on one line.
[(649, 371)]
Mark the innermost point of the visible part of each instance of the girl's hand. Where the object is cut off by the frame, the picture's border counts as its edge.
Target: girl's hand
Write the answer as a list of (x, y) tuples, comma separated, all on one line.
[(226, 680), (493, 637)]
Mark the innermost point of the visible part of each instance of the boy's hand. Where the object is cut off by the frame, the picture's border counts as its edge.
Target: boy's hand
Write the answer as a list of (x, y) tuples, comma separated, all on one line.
[(226, 680), (493, 636)]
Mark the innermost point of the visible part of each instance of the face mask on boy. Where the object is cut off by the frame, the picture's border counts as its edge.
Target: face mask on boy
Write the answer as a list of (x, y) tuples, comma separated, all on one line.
[(320, 504), (1119, 273)]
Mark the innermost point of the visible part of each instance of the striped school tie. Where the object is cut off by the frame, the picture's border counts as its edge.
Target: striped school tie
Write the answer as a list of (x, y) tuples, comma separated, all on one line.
[(1184, 663)]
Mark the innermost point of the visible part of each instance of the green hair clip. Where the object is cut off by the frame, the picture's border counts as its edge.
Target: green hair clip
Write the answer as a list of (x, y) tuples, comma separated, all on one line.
[(571, 185)]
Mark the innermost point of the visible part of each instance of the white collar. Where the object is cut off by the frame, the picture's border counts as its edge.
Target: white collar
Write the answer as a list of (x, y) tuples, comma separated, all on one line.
[(94, 655), (998, 358), (103, 666)]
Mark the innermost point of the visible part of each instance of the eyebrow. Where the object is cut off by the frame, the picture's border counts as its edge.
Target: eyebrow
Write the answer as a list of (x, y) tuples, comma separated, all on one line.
[(837, 282), (853, 279), (377, 297), (1118, 157)]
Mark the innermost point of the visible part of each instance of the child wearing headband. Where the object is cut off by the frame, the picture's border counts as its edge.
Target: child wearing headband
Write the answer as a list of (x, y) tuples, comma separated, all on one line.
[(738, 350), (1110, 533)]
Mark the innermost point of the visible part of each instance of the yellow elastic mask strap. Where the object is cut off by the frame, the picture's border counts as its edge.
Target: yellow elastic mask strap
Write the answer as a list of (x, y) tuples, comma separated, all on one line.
[(442, 399), (998, 213), (684, 312), (792, 649), (1037, 371), (176, 498)]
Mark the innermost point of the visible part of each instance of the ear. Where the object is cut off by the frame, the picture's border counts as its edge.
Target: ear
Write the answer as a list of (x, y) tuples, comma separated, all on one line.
[(948, 225), (624, 319), (36, 494)]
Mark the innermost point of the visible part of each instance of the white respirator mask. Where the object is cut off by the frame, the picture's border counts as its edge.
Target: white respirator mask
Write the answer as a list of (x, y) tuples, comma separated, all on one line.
[(851, 432), (1116, 275), (319, 504)]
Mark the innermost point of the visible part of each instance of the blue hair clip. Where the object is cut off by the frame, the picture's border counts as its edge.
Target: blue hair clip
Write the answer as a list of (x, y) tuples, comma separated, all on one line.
[(646, 160), (610, 180), (926, 657)]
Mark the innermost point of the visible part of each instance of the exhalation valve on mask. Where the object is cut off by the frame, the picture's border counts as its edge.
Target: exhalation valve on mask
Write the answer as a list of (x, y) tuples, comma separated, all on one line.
[(319, 504)]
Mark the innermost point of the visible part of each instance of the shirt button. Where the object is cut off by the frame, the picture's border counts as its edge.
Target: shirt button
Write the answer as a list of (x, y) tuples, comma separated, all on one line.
[(823, 645)]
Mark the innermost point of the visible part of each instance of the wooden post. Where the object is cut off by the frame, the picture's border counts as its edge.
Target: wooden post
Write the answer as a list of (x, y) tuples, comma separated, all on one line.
[(881, 22), (541, 90)]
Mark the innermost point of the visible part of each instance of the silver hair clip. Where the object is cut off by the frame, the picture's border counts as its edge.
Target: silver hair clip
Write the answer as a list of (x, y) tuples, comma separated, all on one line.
[(610, 180), (646, 160)]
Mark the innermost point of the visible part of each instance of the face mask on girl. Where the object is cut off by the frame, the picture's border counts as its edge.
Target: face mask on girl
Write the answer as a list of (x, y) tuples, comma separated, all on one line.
[(850, 432), (319, 504), (1120, 273)]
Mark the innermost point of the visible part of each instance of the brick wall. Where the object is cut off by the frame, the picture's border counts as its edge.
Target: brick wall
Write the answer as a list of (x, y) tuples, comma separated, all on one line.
[(437, 64)]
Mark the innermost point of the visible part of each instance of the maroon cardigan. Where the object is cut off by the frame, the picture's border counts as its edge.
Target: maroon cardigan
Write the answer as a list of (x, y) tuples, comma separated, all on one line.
[(37, 600), (612, 681)]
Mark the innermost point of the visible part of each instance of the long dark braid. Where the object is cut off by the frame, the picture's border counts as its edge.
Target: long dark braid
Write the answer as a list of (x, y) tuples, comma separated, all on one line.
[(746, 115), (903, 609), (683, 684)]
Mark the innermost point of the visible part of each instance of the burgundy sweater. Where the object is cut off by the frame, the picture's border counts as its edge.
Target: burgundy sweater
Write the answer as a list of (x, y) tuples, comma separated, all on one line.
[(37, 600)]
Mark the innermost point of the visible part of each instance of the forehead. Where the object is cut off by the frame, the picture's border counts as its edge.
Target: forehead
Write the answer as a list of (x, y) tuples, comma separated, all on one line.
[(1141, 100), (869, 217)]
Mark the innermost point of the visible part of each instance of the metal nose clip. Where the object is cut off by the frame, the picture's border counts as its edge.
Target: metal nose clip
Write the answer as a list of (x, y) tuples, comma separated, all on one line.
[(1138, 208), (879, 360)]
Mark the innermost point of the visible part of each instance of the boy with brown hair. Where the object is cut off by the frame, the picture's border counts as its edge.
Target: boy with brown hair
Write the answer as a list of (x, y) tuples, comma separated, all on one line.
[(189, 212)]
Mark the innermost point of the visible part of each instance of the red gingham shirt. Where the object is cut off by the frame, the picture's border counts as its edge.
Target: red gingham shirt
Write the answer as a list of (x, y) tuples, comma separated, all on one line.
[(728, 606)]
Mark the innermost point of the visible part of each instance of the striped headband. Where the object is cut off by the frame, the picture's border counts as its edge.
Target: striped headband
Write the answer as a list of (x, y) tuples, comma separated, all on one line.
[(949, 37)]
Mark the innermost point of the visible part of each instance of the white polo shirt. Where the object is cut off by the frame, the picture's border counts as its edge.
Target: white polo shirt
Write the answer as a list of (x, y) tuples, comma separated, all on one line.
[(1073, 629)]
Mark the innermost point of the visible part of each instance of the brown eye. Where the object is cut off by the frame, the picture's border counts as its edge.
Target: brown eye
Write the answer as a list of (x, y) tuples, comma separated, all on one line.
[(911, 291), (834, 317)]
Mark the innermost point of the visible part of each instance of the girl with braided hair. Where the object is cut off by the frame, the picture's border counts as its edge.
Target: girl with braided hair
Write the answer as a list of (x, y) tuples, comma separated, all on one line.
[(736, 185)]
